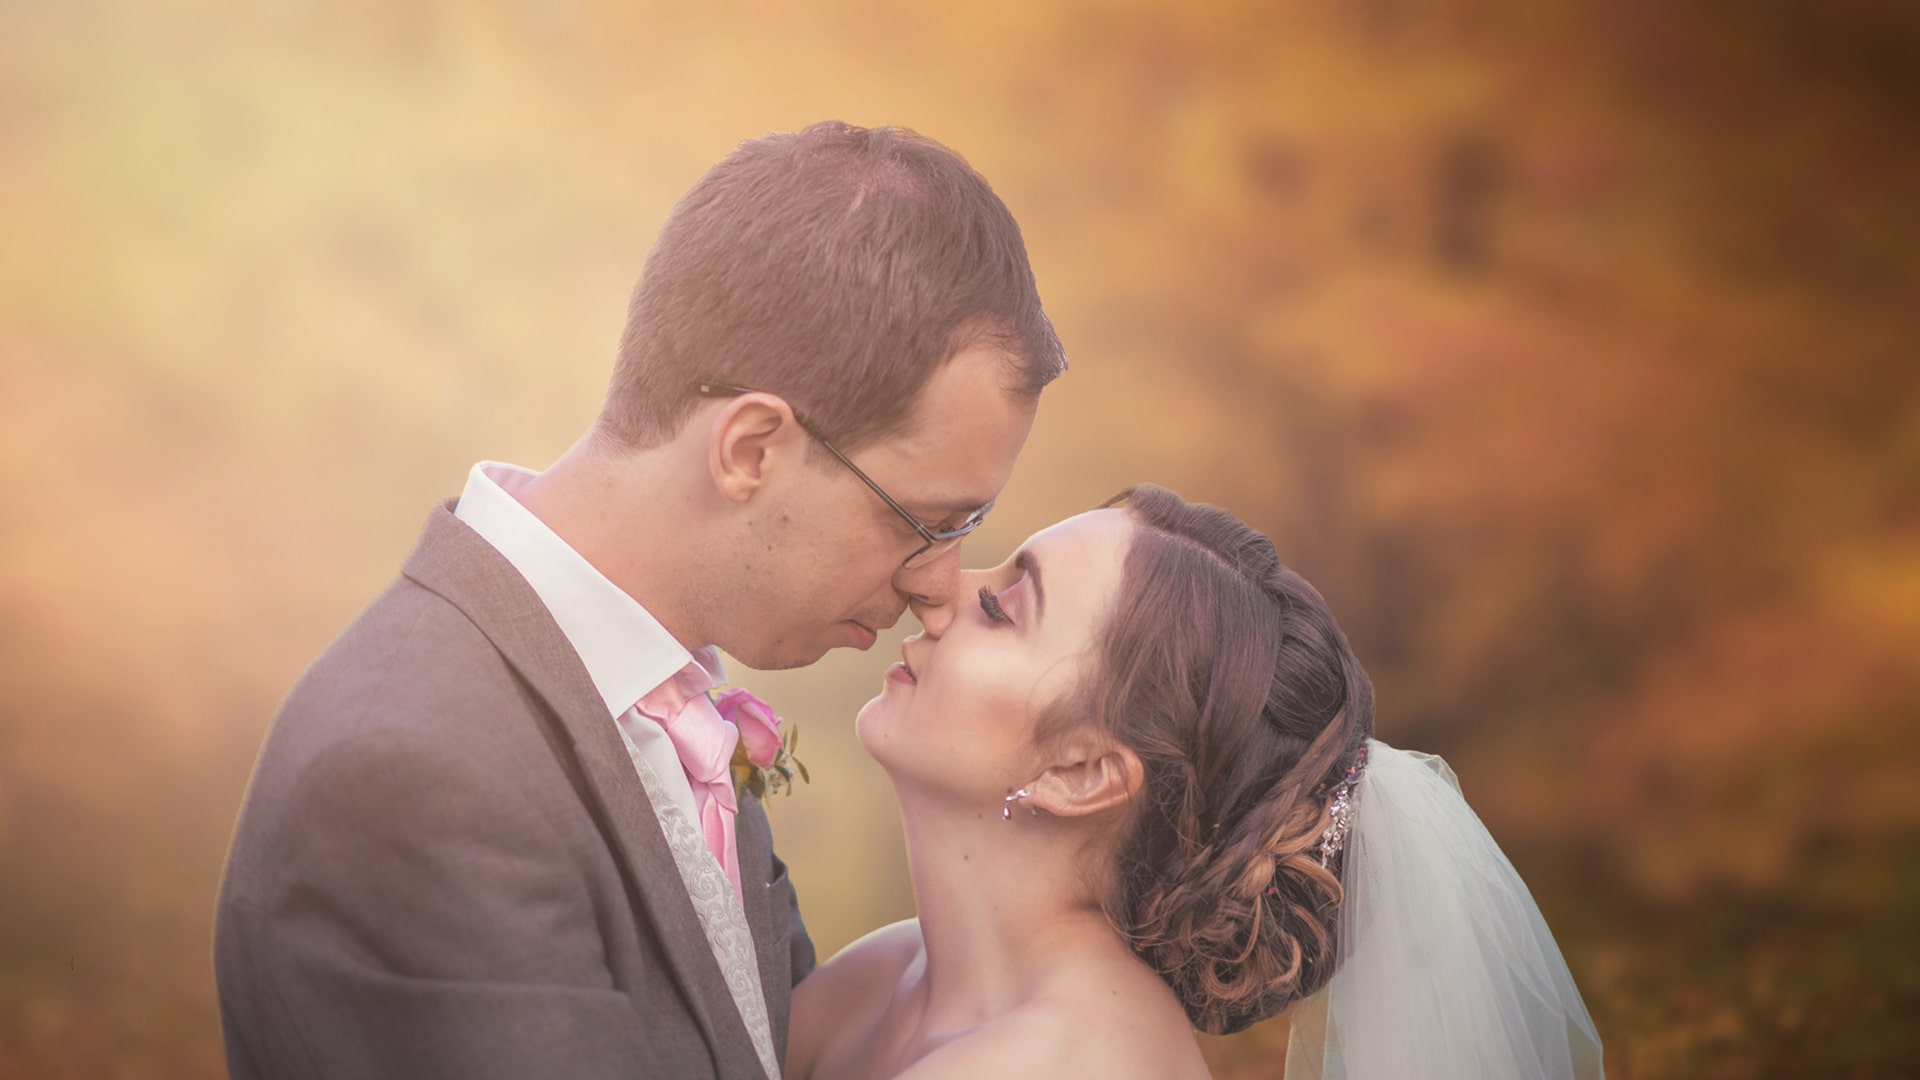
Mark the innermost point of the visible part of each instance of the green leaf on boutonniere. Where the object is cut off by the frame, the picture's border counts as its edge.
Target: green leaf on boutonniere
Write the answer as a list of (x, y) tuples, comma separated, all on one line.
[(777, 777)]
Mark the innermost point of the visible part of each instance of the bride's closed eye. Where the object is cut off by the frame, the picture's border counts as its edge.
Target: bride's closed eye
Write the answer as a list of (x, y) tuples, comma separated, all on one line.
[(990, 604), (1004, 607)]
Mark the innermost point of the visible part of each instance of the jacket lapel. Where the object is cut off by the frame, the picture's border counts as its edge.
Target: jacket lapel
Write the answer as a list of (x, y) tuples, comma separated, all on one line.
[(756, 849), (454, 562)]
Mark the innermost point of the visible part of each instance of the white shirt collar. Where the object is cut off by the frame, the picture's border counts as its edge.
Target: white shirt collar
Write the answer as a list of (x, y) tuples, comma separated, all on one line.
[(625, 649)]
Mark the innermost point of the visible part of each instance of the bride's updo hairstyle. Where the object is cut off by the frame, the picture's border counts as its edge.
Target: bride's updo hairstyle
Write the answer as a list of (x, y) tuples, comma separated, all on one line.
[(1226, 673)]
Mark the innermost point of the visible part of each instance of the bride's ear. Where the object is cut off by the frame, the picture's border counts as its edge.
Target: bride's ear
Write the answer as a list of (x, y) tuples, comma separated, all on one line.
[(1090, 778)]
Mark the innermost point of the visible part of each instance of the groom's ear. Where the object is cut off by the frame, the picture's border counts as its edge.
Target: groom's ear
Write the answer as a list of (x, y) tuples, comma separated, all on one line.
[(746, 439), (1089, 777)]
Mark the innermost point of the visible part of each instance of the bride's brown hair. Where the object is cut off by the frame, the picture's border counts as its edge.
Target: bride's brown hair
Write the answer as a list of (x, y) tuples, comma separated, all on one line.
[(1226, 673)]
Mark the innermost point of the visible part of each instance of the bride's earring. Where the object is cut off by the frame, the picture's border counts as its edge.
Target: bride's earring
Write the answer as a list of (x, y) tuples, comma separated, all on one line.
[(1007, 804)]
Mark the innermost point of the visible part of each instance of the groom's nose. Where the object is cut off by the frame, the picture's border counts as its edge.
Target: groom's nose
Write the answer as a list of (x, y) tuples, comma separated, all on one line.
[(930, 590)]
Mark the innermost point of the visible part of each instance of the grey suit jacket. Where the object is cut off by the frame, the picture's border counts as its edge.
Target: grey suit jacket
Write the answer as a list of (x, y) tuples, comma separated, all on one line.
[(446, 865)]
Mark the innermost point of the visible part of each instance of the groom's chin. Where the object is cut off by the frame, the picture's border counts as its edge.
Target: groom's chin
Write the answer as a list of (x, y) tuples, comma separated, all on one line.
[(777, 661), (784, 653)]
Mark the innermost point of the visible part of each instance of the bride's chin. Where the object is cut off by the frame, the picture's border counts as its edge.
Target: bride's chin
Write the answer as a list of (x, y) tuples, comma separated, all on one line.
[(877, 704), (869, 722), (885, 736)]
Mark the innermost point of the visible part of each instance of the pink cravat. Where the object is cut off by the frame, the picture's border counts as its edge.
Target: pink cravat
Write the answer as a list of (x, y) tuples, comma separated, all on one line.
[(705, 745)]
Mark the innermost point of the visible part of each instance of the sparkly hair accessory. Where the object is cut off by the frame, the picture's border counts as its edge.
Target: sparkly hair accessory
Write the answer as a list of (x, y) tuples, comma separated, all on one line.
[(1340, 809)]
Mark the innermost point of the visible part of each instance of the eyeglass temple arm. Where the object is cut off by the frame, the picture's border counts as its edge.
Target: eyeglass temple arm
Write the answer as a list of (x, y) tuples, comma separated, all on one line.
[(723, 390), (925, 533)]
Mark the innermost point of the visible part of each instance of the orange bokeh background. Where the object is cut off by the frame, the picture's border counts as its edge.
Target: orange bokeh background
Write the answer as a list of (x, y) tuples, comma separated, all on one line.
[(1570, 349)]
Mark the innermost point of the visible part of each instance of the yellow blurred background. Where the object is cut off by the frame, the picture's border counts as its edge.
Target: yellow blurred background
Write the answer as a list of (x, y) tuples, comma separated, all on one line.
[(1569, 348)]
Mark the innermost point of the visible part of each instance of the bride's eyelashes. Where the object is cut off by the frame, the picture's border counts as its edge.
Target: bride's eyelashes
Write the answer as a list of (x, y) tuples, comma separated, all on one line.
[(1003, 607), (990, 604)]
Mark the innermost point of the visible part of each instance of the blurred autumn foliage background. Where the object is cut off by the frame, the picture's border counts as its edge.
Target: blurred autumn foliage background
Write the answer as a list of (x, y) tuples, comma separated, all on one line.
[(1570, 348)]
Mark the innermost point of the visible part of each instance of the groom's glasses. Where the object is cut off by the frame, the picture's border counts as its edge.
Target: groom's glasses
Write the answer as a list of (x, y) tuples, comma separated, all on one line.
[(938, 542)]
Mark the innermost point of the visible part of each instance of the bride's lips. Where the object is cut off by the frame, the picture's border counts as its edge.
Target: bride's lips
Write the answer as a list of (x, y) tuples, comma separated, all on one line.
[(914, 644), (904, 669)]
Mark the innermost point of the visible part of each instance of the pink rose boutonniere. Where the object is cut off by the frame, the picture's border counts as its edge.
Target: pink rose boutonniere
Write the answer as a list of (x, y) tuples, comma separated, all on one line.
[(763, 763)]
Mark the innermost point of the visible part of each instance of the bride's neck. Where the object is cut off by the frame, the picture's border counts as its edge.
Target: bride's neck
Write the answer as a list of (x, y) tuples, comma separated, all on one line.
[(1003, 904)]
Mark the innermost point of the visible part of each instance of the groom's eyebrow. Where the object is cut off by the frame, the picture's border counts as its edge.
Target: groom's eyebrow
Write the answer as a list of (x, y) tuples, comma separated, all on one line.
[(1026, 563)]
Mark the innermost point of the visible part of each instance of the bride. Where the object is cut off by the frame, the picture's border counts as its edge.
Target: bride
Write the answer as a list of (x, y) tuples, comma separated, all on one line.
[(1141, 796)]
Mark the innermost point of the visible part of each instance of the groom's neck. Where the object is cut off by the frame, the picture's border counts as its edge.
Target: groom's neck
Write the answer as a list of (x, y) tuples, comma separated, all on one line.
[(623, 511)]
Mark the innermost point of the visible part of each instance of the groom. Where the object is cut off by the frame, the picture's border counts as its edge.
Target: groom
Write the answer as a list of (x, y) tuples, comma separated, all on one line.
[(490, 833)]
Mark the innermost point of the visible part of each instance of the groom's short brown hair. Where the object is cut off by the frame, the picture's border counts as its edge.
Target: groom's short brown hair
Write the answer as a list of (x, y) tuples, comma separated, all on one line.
[(838, 267)]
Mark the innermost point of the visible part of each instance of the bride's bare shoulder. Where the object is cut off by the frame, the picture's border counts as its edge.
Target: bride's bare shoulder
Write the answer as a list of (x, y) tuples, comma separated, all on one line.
[(1108, 1023), (843, 996), (883, 952)]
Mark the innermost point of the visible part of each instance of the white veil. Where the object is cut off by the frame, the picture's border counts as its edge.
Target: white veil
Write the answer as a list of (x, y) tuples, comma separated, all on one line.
[(1447, 970)]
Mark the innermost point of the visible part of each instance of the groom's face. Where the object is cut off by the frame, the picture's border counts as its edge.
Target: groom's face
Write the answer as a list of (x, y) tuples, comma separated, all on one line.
[(834, 574)]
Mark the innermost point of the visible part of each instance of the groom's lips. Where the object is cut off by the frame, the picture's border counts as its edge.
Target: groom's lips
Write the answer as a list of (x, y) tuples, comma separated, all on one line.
[(863, 636)]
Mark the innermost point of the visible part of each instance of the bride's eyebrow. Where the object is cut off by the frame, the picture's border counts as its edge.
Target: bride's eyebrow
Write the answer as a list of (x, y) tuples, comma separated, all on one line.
[(1028, 564)]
